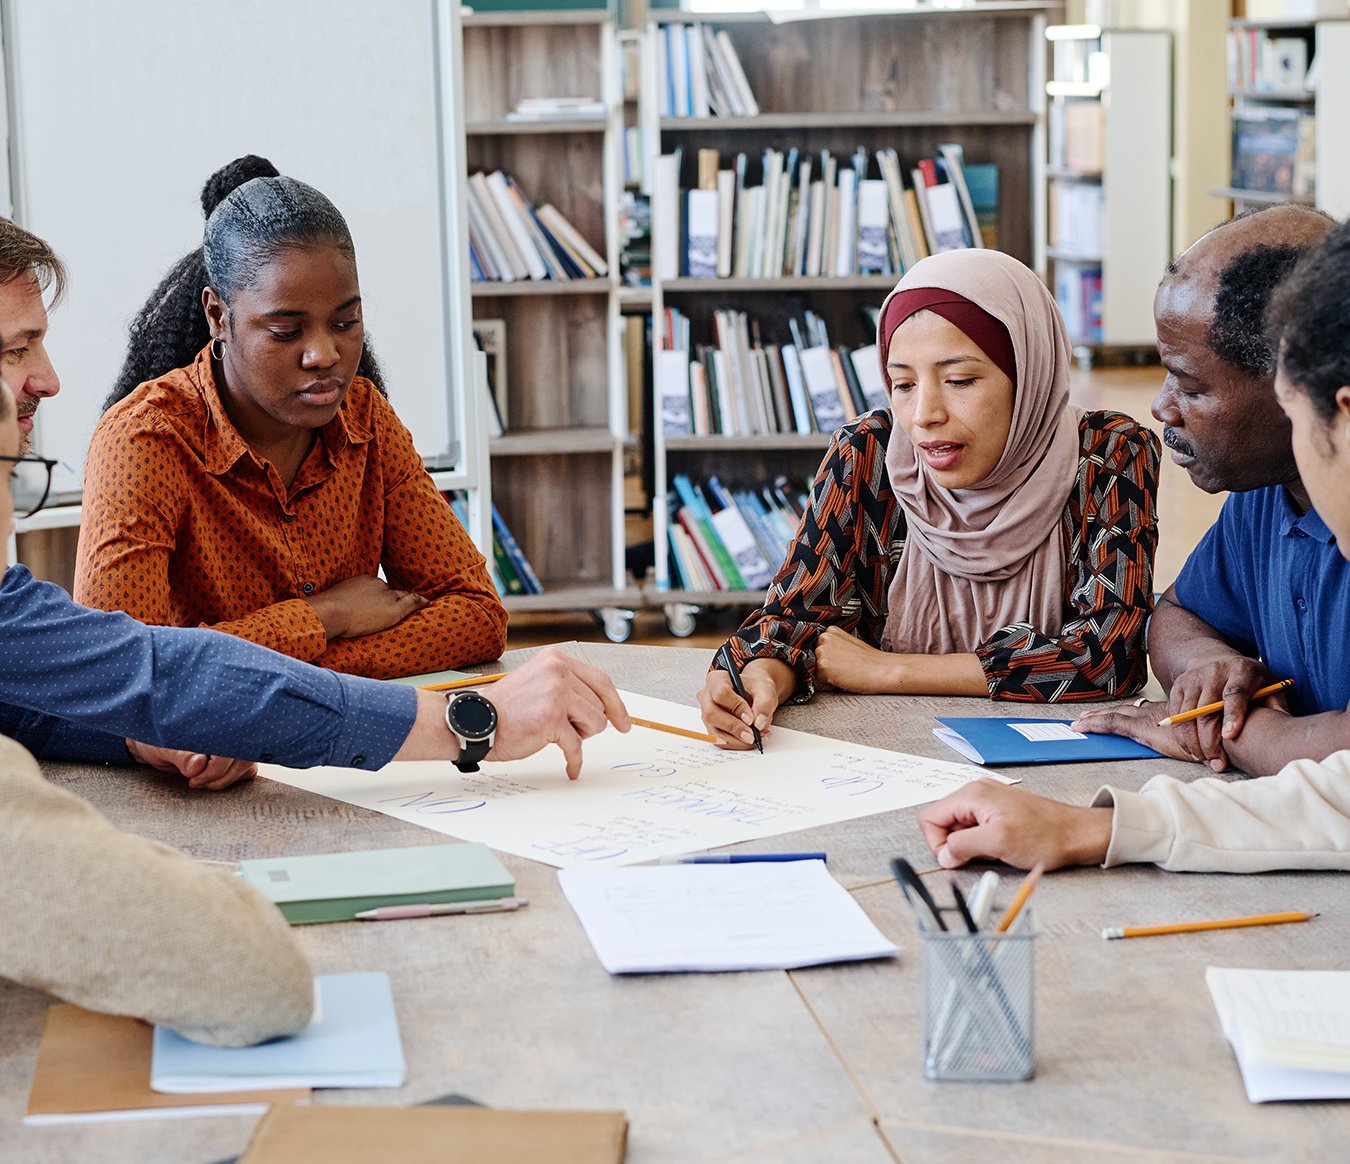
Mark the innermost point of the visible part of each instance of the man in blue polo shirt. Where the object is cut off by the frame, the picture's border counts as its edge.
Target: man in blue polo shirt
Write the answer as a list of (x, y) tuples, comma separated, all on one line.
[(1266, 594)]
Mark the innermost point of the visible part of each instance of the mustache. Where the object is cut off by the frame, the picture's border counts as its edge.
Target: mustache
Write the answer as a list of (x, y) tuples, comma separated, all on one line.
[(1172, 441), (26, 409)]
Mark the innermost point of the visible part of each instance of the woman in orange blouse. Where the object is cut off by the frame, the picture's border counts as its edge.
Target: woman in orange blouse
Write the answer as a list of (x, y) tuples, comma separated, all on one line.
[(980, 537), (249, 474)]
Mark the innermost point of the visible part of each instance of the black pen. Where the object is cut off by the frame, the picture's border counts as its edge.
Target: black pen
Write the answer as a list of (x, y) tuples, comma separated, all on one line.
[(964, 910), (737, 686), (930, 917)]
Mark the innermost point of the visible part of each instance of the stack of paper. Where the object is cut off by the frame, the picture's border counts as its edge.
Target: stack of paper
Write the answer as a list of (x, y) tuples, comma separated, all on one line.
[(353, 1041), (720, 917), (1290, 1030)]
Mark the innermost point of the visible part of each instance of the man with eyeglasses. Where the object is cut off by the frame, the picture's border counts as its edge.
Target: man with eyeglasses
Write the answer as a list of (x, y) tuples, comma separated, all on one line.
[(89, 685)]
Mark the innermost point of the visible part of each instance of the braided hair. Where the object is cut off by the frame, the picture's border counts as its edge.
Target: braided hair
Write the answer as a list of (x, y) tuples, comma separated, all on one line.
[(252, 214)]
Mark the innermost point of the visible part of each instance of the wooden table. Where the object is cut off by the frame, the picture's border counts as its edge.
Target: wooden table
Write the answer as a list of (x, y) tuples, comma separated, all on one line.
[(823, 1064)]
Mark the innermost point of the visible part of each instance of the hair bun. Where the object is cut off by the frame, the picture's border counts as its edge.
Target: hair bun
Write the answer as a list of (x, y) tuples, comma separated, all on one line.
[(226, 180)]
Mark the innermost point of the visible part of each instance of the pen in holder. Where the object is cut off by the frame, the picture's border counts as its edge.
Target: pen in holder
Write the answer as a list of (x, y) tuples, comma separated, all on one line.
[(977, 1005)]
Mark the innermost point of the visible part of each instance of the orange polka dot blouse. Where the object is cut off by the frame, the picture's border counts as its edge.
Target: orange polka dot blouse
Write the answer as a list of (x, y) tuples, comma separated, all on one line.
[(184, 525)]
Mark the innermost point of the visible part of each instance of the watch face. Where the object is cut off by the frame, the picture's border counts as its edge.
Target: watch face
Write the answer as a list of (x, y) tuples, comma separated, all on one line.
[(473, 716)]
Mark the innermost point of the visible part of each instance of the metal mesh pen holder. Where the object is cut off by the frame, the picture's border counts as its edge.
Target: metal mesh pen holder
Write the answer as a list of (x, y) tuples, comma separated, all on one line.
[(978, 994)]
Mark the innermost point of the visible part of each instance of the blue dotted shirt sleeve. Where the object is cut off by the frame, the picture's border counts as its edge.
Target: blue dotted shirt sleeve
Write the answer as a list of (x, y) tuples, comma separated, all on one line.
[(1213, 583), (75, 682)]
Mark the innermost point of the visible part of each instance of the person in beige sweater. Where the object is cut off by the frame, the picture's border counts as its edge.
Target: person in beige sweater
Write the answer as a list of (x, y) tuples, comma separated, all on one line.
[(1298, 818), (123, 925)]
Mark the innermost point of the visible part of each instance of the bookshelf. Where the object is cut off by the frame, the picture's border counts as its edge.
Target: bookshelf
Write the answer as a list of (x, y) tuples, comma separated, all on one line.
[(903, 80), (1289, 82), (1109, 186), (557, 470)]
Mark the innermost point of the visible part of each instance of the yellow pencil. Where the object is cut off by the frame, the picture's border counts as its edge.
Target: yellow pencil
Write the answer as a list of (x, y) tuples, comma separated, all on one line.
[(1024, 891), (1212, 708), (467, 681), (673, 730), (1227, 923)]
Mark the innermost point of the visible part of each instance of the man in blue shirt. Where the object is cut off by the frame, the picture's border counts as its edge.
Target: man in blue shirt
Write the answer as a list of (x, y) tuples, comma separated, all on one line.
[(82, 684), (1266, 594)]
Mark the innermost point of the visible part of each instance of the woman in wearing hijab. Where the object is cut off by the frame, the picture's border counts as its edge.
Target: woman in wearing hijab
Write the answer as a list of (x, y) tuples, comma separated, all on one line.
[(982, 537)]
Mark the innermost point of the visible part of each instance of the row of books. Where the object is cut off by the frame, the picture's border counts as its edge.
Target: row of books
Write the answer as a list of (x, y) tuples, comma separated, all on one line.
[(811, 215), (1077, 217), (700, 74), (1077, 133), (741, 386), (510, 239), (1268, 61), (510, 568), (730, 539)]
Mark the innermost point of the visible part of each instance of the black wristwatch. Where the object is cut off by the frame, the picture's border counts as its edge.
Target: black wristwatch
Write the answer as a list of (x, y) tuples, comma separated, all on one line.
[(473, 721)]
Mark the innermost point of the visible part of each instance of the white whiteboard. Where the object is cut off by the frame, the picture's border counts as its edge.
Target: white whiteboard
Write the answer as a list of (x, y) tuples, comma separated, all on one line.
[(120, 113)]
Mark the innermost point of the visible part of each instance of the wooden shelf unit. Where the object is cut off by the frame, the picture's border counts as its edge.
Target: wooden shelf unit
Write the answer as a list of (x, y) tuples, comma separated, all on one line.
[(557, 472), (905, 79)]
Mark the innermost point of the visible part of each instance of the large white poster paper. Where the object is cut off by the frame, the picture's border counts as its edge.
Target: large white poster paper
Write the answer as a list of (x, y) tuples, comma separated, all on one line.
[(643, 795)]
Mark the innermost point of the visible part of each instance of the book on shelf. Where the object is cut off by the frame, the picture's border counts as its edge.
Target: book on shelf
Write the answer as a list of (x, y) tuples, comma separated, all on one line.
[(510, 239), (635, 235), (505, 581), (505, 546), (1078, 291), (557, 109), (723, 538), (982, 182), (1265, 148), (952, 162), (701, 74)]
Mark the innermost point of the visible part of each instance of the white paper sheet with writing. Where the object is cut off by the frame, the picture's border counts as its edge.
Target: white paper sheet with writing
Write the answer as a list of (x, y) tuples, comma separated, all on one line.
[(1290, 1030), (720, 917), (644, 794)]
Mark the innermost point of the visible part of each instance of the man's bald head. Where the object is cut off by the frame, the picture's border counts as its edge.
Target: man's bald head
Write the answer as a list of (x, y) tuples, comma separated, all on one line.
[(1237, 265), (1218, 407)]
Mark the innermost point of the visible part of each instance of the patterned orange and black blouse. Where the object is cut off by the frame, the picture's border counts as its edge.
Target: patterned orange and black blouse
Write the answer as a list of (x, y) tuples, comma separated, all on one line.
[(185, 525), (839, 567)]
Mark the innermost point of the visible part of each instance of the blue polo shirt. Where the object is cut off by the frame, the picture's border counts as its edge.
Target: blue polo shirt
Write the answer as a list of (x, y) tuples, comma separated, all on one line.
[(1273, 582)]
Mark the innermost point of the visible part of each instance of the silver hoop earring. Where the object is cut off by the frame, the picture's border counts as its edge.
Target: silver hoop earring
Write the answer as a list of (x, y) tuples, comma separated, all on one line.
[(217, 349)]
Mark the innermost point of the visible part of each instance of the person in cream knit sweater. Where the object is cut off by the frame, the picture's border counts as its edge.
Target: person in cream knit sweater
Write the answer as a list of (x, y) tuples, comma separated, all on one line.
[(123, 925)]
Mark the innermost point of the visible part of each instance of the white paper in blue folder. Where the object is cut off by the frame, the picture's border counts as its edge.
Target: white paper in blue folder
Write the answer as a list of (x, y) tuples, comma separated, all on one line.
[(353, 1041)]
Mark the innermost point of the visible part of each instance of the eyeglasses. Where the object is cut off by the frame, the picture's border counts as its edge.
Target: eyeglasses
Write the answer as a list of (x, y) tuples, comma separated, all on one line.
[(30, 482)]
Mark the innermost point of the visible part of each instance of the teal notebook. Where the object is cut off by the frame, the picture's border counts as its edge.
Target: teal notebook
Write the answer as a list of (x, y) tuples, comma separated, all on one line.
[(352, 1041), (337, 886)]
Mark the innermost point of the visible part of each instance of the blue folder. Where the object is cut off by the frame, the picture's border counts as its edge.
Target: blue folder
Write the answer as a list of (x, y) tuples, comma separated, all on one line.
[(987, 740)]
